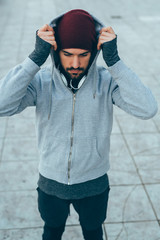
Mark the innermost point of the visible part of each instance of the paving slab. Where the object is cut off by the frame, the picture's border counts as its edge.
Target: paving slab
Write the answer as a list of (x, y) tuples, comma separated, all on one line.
[(130, 124), (157, 121), (144, 144), (118, 147), (123, 171), (15, 176), (3, 122), (154, 195), (22, 234), (19, 210), (129, 203), (73, 232), (19, 148), (133, 231), (115, 128), (19, 126), (149, 168)]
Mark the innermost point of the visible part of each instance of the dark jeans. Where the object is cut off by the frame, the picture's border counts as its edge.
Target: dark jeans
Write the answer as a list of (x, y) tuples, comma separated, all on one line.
[(54, 212)]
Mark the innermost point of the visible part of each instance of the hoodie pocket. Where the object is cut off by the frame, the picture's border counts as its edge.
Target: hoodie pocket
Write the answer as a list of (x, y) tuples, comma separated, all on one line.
[(86, 156), (55, 154)]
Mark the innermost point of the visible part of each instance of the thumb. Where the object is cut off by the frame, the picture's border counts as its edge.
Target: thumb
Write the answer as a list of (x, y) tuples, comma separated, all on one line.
[(46, 27), (98, 45)]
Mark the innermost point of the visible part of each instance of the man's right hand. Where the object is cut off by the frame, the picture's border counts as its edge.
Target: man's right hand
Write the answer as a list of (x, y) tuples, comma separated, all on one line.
[(47, 34), (45, 41)]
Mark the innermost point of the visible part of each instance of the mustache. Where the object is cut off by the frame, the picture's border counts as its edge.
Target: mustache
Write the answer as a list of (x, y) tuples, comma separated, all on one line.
[(72, 68)]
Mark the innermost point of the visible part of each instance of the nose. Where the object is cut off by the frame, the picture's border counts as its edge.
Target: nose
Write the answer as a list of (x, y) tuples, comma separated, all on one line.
[(75, 63)]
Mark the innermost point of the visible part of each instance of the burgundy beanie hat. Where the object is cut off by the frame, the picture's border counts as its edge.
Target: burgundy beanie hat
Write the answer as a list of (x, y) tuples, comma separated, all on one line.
[(76, 29)]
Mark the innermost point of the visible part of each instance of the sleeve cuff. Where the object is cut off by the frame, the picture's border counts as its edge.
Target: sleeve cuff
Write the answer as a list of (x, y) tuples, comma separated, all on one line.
[(30, 67)]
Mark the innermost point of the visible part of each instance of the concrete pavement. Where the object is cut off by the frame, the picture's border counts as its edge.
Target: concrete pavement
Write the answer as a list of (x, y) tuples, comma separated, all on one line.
[(134, 204)]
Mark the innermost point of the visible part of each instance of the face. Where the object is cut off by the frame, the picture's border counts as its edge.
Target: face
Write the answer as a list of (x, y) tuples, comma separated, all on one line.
[(75, 61)]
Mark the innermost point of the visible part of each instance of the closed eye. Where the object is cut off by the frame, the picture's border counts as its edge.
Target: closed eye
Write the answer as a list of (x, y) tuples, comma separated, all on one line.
[(67, 53), (84, 54)]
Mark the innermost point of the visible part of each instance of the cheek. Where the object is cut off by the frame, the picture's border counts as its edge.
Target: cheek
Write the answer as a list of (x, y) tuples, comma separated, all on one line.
[(62, 60), (64, 63), (86, 62)]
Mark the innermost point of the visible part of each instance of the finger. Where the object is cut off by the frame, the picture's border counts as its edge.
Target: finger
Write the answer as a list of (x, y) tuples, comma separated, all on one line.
[(49, 39), (107, 34), (46, 27), (50, 28), (107, 38), (107, 29), (44, 34), (103, 40), (54, 44), (46, 37), (47, 33), (99, 45), (110, 29), (104, 29)]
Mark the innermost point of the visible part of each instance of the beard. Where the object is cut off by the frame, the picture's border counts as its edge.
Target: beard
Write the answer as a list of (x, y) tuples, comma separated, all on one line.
[(73, 73), (73, 76)]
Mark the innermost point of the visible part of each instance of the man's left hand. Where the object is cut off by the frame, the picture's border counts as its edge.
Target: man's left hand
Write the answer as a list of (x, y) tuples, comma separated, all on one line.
[(106, 34), (108, 42)]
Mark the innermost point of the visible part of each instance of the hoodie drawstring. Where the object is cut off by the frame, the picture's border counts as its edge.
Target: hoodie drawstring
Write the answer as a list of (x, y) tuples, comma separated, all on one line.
[(50, 90)]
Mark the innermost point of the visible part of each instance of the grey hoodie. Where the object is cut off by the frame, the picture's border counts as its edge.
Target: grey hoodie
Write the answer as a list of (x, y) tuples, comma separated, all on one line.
[(74, 141)]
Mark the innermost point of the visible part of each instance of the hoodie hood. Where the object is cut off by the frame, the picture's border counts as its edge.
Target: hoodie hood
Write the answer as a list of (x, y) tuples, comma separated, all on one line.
[(56, 61), (54, 25)]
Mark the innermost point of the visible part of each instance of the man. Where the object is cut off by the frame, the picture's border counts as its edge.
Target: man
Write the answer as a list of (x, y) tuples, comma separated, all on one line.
[(74, 110)]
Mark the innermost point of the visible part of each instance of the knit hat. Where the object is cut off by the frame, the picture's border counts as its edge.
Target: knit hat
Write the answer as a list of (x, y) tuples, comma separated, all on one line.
[(76, 29)]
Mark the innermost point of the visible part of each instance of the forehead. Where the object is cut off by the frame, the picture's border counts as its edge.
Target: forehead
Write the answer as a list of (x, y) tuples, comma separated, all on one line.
[(75, 50)]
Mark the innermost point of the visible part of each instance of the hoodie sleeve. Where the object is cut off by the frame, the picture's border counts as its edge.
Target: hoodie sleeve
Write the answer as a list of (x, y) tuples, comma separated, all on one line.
[(130, 94), (17, 90)]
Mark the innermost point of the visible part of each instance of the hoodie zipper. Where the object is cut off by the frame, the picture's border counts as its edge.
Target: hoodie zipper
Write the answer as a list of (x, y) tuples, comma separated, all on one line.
[(72, 131), (71, 139)]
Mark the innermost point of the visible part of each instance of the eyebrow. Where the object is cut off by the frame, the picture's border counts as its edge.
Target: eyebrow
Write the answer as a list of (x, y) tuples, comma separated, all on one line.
[(73, 54)]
